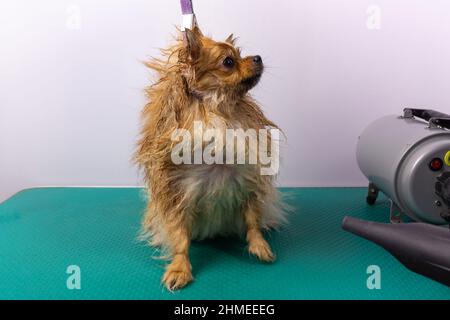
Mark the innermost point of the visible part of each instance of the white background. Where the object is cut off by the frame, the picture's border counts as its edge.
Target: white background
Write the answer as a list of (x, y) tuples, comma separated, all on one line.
[(70, 97)]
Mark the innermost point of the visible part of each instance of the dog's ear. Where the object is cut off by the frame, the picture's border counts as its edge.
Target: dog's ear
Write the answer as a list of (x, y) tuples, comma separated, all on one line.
[(231, 40), (197, 30), (193, 43)]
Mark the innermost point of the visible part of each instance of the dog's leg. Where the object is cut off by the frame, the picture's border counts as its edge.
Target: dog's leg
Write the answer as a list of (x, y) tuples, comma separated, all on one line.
[(179, 272), (257, 245)]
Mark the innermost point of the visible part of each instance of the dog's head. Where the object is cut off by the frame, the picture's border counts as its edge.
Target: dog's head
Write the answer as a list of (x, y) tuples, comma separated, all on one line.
[(218, 66)]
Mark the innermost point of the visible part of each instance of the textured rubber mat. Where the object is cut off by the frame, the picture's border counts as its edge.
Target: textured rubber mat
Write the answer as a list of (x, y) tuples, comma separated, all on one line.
[(44, 231)]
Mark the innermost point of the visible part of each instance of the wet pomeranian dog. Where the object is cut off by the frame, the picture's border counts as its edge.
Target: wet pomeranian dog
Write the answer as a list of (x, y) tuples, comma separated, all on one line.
[(207, 82)]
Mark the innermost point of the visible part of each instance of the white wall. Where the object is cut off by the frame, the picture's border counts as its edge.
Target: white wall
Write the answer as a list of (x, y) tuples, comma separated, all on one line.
[(70, 98)]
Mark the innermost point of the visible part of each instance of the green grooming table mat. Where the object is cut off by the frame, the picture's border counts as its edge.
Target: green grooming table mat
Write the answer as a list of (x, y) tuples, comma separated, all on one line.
[(43, 231)]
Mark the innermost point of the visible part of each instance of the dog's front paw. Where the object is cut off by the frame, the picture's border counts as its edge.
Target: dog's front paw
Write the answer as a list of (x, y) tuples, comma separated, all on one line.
[(175, 279), (261, 250)]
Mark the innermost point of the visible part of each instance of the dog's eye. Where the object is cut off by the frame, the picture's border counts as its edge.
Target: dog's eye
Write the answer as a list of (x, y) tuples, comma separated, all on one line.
[(228, 62)]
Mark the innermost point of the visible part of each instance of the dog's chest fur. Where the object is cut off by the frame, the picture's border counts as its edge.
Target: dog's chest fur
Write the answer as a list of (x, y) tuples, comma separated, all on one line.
[(218, 191)]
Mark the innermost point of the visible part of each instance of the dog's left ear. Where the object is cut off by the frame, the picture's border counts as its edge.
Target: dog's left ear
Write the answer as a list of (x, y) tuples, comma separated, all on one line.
[(193, 43), (231, 40)]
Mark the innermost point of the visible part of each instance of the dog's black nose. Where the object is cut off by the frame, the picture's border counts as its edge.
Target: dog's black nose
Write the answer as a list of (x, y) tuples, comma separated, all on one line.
[(257, 59)]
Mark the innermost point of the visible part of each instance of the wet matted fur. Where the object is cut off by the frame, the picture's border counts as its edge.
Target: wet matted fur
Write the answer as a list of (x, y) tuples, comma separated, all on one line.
[(191, 201)]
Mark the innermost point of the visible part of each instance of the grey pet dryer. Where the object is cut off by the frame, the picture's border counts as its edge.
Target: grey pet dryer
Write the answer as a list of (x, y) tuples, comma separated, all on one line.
[(408, 159)]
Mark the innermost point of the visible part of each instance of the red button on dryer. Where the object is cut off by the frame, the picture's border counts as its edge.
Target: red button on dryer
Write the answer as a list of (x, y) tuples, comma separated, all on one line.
[(436, 164)]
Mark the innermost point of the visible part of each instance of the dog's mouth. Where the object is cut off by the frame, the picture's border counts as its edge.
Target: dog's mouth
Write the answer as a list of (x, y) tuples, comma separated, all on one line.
[(251, 82)]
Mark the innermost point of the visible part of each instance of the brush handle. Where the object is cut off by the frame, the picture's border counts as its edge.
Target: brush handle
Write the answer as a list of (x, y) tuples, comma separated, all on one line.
[(189, 19), (187, 7)]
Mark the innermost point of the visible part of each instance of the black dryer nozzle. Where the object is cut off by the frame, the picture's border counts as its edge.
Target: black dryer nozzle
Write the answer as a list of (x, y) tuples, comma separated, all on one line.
[(422, 248)]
